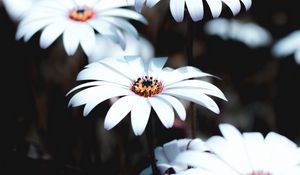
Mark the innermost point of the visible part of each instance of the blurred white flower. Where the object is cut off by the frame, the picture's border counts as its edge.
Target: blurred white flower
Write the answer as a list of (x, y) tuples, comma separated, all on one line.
[(246, 154), (166, 154), (16, 9), (287, 46), (77, 21), (248, 33), (142, 86), (195, 7), (106, 48)]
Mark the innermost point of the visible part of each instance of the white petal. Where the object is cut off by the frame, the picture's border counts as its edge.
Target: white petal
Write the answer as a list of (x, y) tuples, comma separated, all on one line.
[(171, 150), (136, 64), (151, 3), (292, 170), (147, 171), (247, 3), (90, 84), (87, 39), (204, 87), (206, 161), (197, 145), (140, 115), (139, 5), (70, 39), (105, 29), (124, 13), (195, 171), (195, 8), (160, 155), (195, 97), (51, 33), (109, 4), (297, 56), (118, 111), (255, 146), (234, 5), (180, 74), (177, 105), (215, 7), (163, 110), (124, 25), (156, 65), (177, 9), (97, 94), (104, 73)]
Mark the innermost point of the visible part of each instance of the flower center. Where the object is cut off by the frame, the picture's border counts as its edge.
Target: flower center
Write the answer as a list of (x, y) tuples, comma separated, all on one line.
[(259, 173), (147, 86), (81, 14)]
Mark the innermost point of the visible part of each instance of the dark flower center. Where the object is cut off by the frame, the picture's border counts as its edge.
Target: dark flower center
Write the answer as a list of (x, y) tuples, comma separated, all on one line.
[(81, 14), (147, 86)]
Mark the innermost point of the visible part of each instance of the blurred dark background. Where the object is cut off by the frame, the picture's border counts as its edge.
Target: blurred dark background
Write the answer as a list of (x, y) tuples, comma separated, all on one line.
[(40, 134)]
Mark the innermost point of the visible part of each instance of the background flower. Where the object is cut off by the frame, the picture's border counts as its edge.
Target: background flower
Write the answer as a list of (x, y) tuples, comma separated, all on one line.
[(76, 20), (143, 85), (195, 7), (17, 8), (247, 153)]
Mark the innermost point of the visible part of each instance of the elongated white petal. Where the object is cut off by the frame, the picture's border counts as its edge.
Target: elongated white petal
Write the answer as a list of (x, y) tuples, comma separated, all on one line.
[(87, 39), (234, 5), (108, 4), (215, 7), (204, 87), (177, 9), (136, 64), (151, 3), (177, 105), (90, 84), (139, 5), (118, 111), (105, 29), (163, 110), (195, 8), (104, 73), (156, 65), (124, 25), (198, 98), (70, 39), (97, 95), (297, 56), (140, 114), (124, 13), (160, 155), (51, 33), (247, 3)]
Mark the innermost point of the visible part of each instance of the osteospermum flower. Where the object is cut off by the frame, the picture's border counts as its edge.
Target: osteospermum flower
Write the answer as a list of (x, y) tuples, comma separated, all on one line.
[(166, 154), (249, 153), (142, 86), (77, 21), (248, 33), (195, 7), (288, 45)]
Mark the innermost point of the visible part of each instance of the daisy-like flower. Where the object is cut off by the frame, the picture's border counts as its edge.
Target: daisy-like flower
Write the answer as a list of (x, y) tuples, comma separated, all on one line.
[(77, 21), (249, 153), (142, 86), (166, 154), (141, 47), (248, 33), (288, 45), (16, 9), (195, 7)]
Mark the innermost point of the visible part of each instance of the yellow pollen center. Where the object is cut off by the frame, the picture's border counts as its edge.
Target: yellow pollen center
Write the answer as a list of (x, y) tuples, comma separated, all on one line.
[(81, 14), (147, 86), (259, 173)]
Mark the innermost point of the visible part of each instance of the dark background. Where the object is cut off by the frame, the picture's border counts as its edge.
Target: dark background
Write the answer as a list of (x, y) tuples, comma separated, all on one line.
[(41, 135)]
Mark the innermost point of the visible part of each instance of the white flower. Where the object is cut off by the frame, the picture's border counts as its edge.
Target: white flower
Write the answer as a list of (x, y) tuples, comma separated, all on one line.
[(77, 21), (16, 9), (142, 86), (287, 46), (246, 154), (248, 33), (166, 154), (106, 48), (195, 7)]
